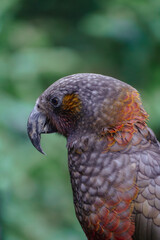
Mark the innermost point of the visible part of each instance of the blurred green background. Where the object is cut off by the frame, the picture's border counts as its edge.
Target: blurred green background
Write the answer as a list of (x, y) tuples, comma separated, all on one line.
[(41, 41)]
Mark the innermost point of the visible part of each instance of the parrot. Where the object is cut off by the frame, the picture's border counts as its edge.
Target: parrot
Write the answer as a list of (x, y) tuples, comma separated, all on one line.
[(113, 156)]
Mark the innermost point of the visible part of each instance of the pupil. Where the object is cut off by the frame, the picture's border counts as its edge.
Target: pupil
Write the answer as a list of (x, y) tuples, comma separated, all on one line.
[(55, 101)]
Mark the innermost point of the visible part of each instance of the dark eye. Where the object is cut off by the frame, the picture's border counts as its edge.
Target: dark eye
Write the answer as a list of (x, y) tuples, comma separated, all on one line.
[(55, 102)]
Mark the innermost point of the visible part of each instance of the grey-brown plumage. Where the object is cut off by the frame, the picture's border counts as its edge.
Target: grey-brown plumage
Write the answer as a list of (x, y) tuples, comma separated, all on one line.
[(114, 158)]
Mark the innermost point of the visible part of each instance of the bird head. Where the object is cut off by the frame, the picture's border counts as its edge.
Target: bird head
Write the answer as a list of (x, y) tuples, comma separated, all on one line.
[(82, 104)]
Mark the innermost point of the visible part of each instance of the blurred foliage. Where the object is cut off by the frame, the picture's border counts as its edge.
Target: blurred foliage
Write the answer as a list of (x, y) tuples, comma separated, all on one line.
[(41, 41)]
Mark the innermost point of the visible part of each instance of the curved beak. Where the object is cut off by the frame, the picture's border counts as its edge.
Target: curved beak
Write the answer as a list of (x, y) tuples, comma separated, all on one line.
[(36, 125)]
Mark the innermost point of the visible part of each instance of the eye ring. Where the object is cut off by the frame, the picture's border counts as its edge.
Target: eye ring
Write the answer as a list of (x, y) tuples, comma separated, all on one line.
[(55, 102)]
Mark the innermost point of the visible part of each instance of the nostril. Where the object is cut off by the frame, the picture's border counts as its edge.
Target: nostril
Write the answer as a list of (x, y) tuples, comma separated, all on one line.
[(38, 106)]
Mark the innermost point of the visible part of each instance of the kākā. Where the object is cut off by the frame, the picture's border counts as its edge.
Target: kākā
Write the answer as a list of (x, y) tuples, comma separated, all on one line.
[(114, 157)]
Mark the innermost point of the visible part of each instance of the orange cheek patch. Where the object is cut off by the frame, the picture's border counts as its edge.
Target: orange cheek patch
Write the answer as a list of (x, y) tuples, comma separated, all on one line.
[(71, 103)]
